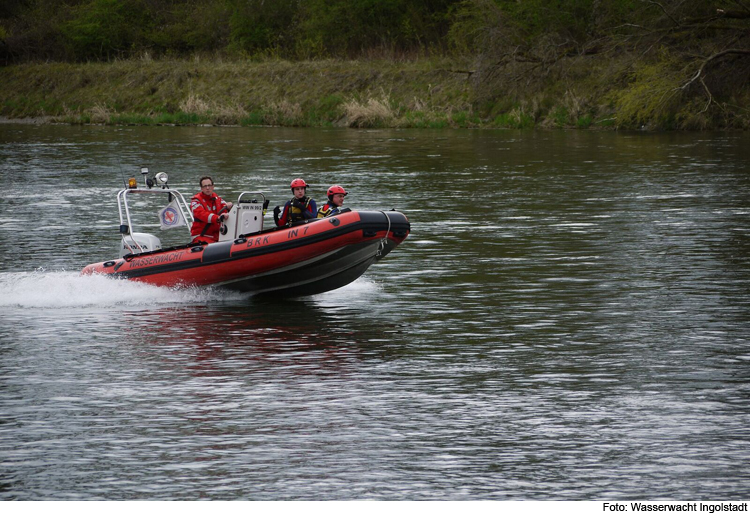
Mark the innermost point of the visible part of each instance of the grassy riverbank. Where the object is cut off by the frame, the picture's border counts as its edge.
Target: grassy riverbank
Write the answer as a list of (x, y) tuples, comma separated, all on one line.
[(422, 93), (202, 91)]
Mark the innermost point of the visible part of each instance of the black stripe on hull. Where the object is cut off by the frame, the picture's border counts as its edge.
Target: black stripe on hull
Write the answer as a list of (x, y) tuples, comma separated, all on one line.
[(334, 270)]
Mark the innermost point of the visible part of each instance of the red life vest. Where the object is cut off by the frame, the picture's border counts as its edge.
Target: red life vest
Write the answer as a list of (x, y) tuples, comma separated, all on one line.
[(327, 210)]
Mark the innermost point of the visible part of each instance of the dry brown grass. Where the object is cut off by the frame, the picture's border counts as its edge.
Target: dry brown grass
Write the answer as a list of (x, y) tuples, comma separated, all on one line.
[(232, 114), (373, 113), (285, 112), (194, 105), (99, 113)]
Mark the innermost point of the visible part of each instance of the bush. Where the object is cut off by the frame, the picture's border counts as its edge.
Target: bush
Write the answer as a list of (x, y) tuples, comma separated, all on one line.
[(649, 100)]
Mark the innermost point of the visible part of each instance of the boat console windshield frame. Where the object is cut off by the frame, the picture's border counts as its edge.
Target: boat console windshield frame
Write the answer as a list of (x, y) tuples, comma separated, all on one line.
[(244, 219), (130, 239)]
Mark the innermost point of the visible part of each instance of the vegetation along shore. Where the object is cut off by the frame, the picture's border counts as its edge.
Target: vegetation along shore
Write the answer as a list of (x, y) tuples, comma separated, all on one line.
[(629, 64)]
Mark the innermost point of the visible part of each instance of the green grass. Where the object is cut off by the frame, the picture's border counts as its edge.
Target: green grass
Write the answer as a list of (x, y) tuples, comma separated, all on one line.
[(516, 119), (584, 122)]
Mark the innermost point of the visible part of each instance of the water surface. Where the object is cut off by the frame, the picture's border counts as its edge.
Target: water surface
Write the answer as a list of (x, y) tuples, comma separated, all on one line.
[(568, 320)]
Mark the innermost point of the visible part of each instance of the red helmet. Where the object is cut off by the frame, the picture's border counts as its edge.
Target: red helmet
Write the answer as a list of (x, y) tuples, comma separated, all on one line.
[(333, 190), (298, 182)]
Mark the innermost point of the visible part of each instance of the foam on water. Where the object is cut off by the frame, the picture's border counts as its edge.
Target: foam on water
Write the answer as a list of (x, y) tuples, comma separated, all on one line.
[(59, 289)]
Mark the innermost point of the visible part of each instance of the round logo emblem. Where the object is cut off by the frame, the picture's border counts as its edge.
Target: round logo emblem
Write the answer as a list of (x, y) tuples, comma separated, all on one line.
[(169, 217)]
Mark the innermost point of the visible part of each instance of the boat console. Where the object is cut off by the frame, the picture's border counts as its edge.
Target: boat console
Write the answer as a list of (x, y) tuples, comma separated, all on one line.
[(246, 217)]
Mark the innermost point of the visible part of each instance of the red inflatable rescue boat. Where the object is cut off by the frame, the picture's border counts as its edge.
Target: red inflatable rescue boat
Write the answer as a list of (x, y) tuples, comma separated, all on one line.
[(313, 257)]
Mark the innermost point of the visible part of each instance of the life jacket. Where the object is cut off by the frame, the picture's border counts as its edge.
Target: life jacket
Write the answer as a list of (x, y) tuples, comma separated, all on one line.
[(296, 214), (292, 215), (327, 210)]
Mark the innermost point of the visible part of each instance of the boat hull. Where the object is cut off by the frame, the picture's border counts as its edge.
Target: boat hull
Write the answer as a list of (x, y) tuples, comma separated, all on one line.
[(308, 259)]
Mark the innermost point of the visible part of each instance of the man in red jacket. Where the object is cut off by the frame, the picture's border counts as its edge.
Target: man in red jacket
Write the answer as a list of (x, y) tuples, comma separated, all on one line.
[(209, 210)]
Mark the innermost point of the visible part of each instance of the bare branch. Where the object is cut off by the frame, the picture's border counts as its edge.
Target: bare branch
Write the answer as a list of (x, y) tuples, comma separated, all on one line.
[(733, 14), (710, 96), (665, 12), (711, 59), (468, 73)]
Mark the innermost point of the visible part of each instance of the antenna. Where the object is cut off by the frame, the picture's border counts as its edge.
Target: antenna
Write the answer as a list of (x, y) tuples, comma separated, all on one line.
[(122, 173)]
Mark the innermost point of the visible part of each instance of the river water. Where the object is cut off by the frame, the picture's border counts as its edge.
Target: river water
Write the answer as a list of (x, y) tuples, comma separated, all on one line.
[(568, 320)]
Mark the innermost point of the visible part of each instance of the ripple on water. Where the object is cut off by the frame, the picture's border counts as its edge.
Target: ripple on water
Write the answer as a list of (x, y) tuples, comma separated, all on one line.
[(567, 320)]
